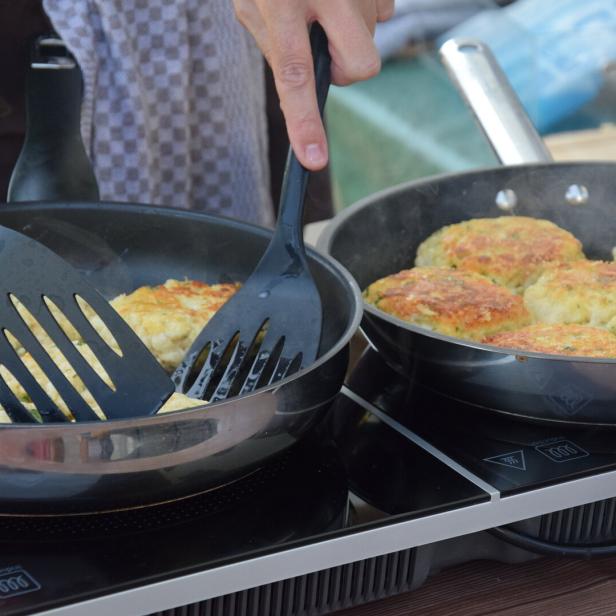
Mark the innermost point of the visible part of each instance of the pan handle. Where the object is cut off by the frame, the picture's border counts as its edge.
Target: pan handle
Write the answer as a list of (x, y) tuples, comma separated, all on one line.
[(496, 107), (53, 164)]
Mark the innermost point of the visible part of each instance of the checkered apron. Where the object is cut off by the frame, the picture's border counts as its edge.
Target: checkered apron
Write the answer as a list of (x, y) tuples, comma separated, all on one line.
[(174, 103)]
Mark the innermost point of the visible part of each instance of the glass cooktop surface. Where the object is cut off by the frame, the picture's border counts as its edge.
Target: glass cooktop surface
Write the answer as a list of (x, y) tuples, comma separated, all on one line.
[(390, 452)]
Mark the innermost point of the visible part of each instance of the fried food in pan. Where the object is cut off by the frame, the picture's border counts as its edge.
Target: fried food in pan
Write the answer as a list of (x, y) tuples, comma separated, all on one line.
[(449, 301), (511, 251)]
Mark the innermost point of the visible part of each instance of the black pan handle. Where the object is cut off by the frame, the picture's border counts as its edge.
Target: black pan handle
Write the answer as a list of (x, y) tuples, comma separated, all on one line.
[(496, 107), (53, 164)]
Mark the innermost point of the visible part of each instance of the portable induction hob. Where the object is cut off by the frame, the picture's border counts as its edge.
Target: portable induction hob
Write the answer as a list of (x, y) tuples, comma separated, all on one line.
[(398, 483)]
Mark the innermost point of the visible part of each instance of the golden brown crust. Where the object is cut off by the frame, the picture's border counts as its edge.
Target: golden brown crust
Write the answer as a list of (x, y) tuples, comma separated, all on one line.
[(456, 303), (583, 292), (559, 339), (169, 317), (509, 250)]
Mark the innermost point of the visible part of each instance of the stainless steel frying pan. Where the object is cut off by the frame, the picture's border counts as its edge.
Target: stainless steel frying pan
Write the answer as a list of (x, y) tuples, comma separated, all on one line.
[(92, 467)]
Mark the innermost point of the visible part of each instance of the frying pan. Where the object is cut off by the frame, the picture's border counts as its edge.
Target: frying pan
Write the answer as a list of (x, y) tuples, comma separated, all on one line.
[(379, 236), (90, 467)]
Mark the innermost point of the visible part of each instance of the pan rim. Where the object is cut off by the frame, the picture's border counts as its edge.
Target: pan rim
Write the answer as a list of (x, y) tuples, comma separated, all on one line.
[(518, 354), (325, 260), (327, 235)]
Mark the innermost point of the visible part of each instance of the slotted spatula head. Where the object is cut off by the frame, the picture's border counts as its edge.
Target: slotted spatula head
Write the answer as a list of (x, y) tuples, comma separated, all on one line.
[(45, 302), (272, 326)]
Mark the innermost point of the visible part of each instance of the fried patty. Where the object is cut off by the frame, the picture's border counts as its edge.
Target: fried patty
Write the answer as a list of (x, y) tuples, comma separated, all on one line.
[(511, 250), (559, 339), (583, 292), (169, 317), (452, 302)]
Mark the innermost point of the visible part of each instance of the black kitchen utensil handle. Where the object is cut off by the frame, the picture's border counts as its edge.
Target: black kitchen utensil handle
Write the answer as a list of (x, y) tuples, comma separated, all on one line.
[(53, 164), (295, 180)]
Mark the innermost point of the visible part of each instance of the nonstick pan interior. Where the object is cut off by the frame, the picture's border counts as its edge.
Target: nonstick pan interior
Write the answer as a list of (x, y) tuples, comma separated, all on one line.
[(380, 235), (121, 247)]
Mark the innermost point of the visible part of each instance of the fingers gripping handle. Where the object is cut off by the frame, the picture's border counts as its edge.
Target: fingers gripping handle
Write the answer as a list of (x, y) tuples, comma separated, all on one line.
[(296, 176)]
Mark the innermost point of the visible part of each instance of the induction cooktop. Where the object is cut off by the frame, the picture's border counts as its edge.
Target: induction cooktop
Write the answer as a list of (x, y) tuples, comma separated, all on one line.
[(390, 488)]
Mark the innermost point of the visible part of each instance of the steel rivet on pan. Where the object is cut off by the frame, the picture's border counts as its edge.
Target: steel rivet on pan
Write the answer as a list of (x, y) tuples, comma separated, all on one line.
[(506, 200), (577, 194)]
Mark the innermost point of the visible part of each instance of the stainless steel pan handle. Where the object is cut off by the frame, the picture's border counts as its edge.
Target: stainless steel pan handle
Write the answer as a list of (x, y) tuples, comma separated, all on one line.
[(496, 107)]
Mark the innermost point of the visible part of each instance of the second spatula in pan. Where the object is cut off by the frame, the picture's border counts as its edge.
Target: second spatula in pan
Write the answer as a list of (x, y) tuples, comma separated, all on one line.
[(272, 326)]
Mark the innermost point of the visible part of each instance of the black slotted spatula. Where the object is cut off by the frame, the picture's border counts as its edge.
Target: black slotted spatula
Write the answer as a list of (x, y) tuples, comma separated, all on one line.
[(39, 279), (272, 326)]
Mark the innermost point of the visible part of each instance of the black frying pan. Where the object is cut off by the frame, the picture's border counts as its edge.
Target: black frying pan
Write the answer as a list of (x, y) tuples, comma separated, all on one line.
[(86, 467), (380, 235)]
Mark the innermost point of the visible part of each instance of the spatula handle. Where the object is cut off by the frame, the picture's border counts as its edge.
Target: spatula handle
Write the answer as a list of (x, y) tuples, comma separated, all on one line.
[(291, 211)]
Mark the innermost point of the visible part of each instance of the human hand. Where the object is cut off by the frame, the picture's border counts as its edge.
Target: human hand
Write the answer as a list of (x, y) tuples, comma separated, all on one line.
[(280, 28)]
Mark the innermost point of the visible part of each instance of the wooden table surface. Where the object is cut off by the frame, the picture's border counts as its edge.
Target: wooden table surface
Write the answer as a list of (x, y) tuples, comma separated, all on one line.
[(544, 587)]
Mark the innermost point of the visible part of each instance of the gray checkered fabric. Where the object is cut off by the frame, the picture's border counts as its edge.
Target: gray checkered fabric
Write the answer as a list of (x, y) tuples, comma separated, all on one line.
[(174, 103)]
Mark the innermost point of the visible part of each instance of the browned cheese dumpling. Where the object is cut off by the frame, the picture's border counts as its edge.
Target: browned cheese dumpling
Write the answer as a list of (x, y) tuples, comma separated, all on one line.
[(452, 302), (511, 250), (559, 339)]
